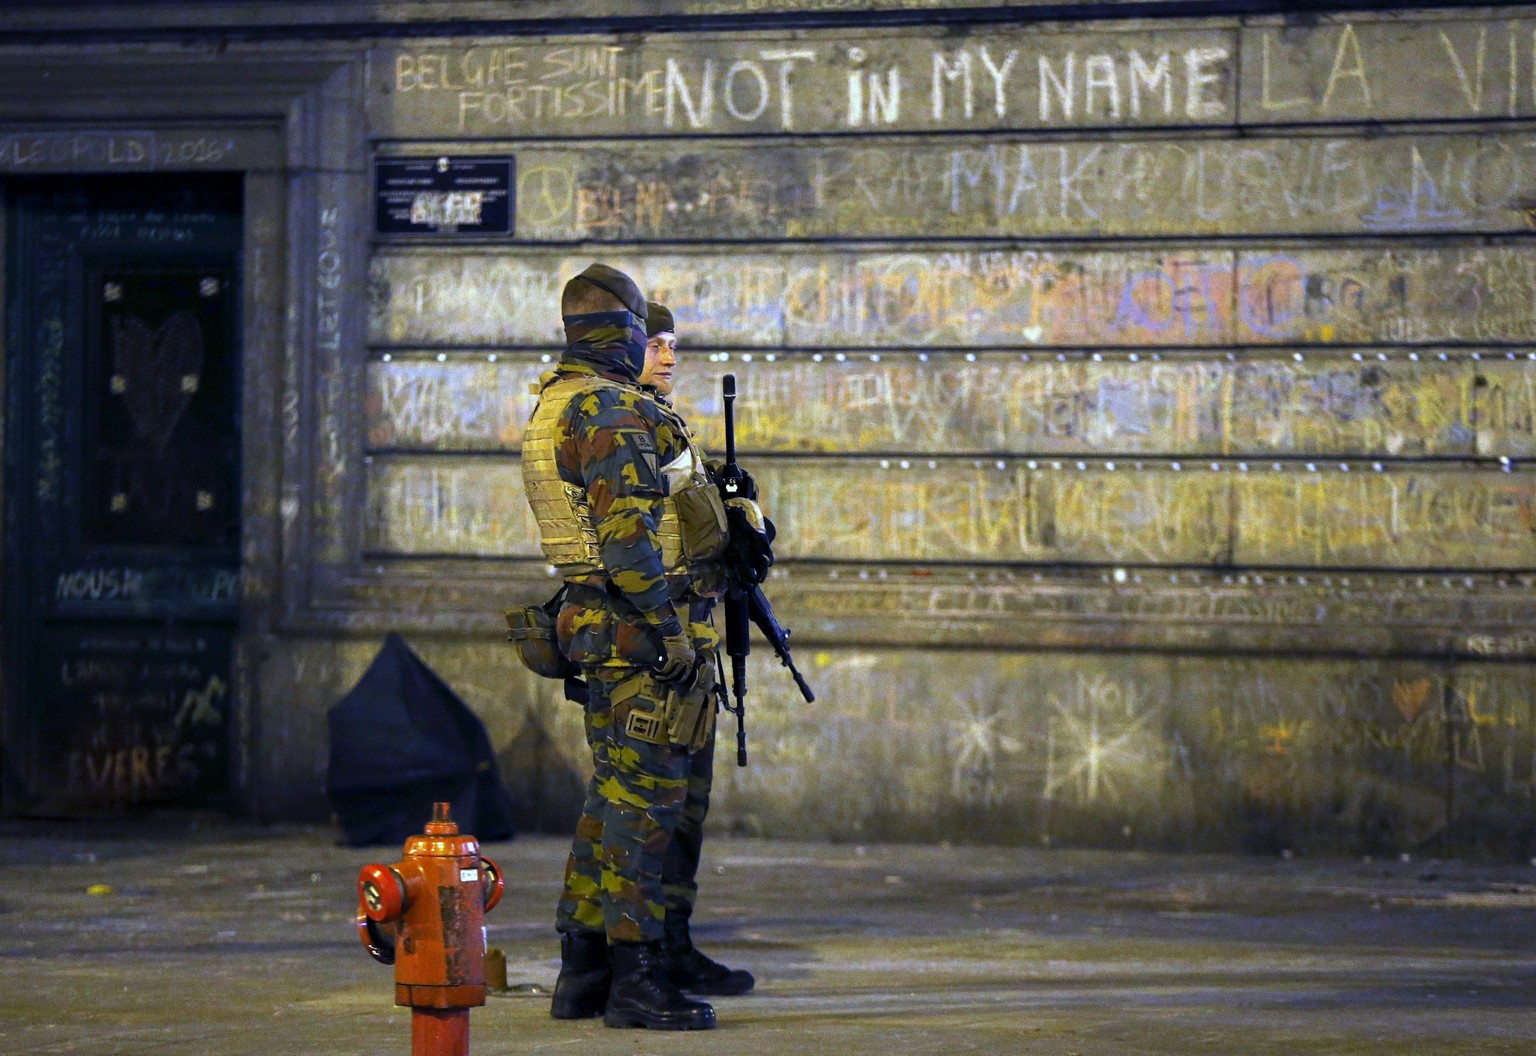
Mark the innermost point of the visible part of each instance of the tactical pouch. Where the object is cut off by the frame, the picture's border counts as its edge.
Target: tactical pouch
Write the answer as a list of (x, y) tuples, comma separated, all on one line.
[(648, 726), (701, 522), (532, 630), (682, 720), (691, 719)]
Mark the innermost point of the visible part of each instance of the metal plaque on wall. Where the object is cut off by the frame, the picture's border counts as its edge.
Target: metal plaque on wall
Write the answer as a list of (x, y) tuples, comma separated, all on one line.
[(443, 195)]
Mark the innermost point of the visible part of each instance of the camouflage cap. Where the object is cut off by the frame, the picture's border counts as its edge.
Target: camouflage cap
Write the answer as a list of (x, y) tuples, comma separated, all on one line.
[(617, 283), (658, 319)]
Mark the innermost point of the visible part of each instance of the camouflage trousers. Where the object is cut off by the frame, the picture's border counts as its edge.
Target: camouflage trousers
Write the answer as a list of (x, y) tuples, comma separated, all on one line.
[(633, 863)]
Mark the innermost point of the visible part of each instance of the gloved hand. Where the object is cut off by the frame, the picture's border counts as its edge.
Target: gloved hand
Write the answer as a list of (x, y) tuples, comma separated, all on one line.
[(677, 669), (749, 548)]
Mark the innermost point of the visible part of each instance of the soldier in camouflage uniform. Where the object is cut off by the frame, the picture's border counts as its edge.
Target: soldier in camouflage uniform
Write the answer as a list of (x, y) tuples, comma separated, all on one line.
[(690, 969), (633, 525)]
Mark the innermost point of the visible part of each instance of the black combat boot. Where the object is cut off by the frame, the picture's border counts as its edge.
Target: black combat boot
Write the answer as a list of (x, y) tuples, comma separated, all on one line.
[(581, 991), (644, 996), (698, 974)]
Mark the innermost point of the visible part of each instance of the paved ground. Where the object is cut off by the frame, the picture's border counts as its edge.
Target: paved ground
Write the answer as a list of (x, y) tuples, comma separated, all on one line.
[(221, 939)]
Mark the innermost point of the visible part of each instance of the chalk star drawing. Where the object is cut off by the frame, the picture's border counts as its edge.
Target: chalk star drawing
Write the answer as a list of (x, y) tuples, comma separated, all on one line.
[(975, 741), (1092, 751)]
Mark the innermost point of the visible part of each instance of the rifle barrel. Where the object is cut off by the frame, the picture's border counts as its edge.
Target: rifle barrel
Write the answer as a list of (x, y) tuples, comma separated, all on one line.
[(728, 390)]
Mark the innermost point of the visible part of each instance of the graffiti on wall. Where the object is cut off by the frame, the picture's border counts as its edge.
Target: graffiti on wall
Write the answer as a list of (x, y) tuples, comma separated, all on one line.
[(1013, 187), (1342, 404), (1050, 336), (987, 77), (985, 511), (986, 298)]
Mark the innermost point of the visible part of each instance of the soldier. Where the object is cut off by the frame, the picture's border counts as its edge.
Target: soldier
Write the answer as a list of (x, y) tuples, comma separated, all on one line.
[(689, 968), (631, 522)]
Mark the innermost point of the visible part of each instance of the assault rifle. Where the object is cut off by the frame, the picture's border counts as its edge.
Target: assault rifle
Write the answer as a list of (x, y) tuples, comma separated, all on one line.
[(745, 602)]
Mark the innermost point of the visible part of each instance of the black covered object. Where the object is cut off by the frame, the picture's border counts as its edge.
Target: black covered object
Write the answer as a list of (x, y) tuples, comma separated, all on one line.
[(401, 740)]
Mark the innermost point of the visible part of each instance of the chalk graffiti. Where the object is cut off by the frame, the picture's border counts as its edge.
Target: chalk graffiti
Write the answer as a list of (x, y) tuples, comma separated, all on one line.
[(987, 298)]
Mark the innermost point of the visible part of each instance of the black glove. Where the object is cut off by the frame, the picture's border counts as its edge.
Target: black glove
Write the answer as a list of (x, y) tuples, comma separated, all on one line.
[(677, 669), (749, 548)]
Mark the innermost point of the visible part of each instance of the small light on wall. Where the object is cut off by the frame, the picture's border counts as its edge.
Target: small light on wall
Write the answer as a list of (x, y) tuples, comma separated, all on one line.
[(491, 358), (386, 357), (442, 357), (817, 358)]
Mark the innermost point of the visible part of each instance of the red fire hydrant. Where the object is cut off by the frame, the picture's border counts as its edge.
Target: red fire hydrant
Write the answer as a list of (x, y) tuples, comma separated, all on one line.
[(426, 915)]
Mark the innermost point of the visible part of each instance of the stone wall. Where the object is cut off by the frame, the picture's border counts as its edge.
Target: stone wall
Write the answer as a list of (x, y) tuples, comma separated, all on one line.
[(1146, 406), (1074, 359)]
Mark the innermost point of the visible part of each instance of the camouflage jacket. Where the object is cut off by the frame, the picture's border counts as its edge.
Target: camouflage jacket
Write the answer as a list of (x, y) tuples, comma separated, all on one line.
[(611, 442)]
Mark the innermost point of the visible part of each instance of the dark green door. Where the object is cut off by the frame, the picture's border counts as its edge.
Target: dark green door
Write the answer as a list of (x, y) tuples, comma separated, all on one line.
[(122, 491)]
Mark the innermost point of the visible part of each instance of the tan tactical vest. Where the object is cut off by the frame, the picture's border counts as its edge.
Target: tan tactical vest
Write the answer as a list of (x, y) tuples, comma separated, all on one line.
[(692, 531)]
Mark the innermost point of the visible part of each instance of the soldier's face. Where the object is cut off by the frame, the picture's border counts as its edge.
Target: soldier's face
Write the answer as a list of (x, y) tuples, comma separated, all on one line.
[(660, 362)]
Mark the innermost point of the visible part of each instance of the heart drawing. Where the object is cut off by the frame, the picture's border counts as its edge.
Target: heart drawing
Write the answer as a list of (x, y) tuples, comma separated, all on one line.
[(1410, 698), (155, 367)]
